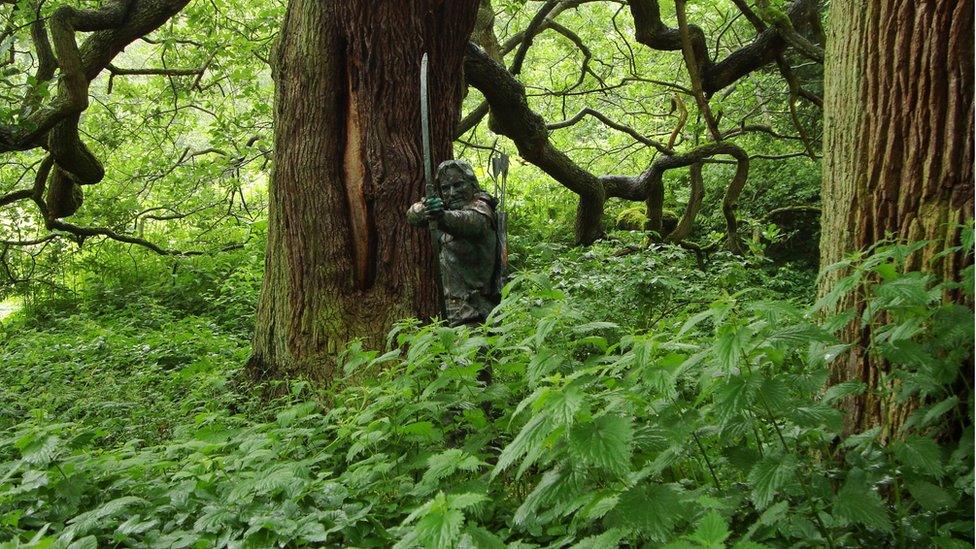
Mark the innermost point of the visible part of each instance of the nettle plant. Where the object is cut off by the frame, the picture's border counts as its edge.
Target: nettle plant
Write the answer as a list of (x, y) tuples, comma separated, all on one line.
[(719, 432)]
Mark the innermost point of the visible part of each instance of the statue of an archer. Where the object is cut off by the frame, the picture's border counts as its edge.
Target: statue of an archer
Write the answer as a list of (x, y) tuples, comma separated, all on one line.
[(465, 231)]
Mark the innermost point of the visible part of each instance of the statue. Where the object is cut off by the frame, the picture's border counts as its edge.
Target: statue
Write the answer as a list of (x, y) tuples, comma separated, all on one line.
[(469, 254)]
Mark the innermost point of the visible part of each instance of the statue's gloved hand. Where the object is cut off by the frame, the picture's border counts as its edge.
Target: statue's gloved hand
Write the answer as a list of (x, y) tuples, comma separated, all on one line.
[(433, 208)]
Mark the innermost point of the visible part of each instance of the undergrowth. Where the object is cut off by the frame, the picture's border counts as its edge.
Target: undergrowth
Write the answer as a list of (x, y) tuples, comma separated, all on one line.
[(621, 413)]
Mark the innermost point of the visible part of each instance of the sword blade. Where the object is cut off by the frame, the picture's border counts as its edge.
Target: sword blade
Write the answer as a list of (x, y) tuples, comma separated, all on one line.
[(425, 128)]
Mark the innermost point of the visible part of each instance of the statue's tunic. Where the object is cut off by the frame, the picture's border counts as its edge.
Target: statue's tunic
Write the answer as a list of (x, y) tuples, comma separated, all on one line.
[(469, 252)]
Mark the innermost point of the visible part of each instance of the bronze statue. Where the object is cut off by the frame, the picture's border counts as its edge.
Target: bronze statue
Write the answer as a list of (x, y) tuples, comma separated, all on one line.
[(469, 259)]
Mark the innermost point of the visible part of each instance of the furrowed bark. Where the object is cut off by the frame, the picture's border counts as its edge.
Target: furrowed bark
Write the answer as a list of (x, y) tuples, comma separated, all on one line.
[(342, 263), (898, 156)]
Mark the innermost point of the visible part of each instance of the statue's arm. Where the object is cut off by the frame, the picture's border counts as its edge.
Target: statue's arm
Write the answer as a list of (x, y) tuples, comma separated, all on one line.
[(415, 215), (464, 223)]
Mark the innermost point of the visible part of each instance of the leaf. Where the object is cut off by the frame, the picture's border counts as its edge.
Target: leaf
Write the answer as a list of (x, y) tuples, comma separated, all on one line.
[(565, 404), (290, 415), (40, 451), (730, 346), (440, 529), (463, 501), (798, 335), (694, 321), (542, 364), (604, 442), (936, 411), (545, 325), (598, 505), (818, 415), (212, 519), (607, 540), (843, 389), (930, 496), (448, 462), (475, 537), (531, 435), (711, 531), (888, 271), (768, 476), (735, 395), (838, 289), (920, 454), (116, 505), (652, 510), (775, 393), (860, 440), (907, 290), (87, 542), (421, 430), (594, 326), (858, 503), (549, 488), (134, 525)]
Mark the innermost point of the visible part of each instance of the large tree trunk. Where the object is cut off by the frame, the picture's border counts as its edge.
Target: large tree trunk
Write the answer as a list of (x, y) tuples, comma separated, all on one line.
[(342, 263), (898, 151)]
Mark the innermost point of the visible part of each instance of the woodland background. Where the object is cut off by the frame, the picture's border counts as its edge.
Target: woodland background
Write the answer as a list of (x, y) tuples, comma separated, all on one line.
[(660, 379)]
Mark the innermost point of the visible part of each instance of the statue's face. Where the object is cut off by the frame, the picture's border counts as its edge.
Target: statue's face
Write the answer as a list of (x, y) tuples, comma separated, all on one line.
[(456, 189)]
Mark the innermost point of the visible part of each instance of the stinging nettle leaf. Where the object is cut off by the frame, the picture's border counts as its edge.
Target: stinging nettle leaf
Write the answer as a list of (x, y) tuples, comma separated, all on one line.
[(920, 454), (858, 503), (604, 442), (769, 476)]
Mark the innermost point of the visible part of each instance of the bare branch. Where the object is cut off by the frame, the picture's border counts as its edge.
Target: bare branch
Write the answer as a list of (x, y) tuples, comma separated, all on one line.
[(606, 120)]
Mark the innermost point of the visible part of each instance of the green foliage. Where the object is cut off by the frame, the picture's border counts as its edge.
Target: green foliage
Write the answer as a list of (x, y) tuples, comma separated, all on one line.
[(711, 429)]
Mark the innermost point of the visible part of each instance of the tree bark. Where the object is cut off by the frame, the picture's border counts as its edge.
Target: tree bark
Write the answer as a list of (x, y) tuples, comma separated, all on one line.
[(341, 261), (898, 153)]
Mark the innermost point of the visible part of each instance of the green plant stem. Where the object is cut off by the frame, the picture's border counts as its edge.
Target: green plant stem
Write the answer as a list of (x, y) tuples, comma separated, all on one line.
[(806, 488)]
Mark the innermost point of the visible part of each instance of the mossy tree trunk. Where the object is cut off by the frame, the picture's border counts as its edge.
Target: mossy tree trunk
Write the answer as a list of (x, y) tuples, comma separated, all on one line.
[(898, 161), (341, 261)]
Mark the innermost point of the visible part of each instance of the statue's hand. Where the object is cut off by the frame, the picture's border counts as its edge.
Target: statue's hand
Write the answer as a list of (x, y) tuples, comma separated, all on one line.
[(434, 208)]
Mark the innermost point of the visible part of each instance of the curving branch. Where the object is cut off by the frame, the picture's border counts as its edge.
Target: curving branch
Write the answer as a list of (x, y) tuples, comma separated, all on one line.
[(683, 229), (54, 125), (514, 119), (796, 91), (651, 31), (610, 123), (677, 105), (689, 38), (649, 186), (543, 19), (783, 24), (530, 33), (105, 42)]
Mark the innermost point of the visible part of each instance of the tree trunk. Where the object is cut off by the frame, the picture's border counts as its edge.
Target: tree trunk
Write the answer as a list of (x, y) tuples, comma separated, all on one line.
[(898, 152), (341, 261)]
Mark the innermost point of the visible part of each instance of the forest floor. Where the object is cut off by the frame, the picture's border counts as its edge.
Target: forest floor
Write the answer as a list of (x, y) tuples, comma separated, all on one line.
[(624, 411)]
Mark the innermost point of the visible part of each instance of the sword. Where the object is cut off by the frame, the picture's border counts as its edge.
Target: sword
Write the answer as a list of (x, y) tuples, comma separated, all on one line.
[(430, 189)]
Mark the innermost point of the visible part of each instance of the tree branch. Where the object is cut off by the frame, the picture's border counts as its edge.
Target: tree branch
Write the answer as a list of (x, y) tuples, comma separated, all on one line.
[(651, 31), (606, 120)]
